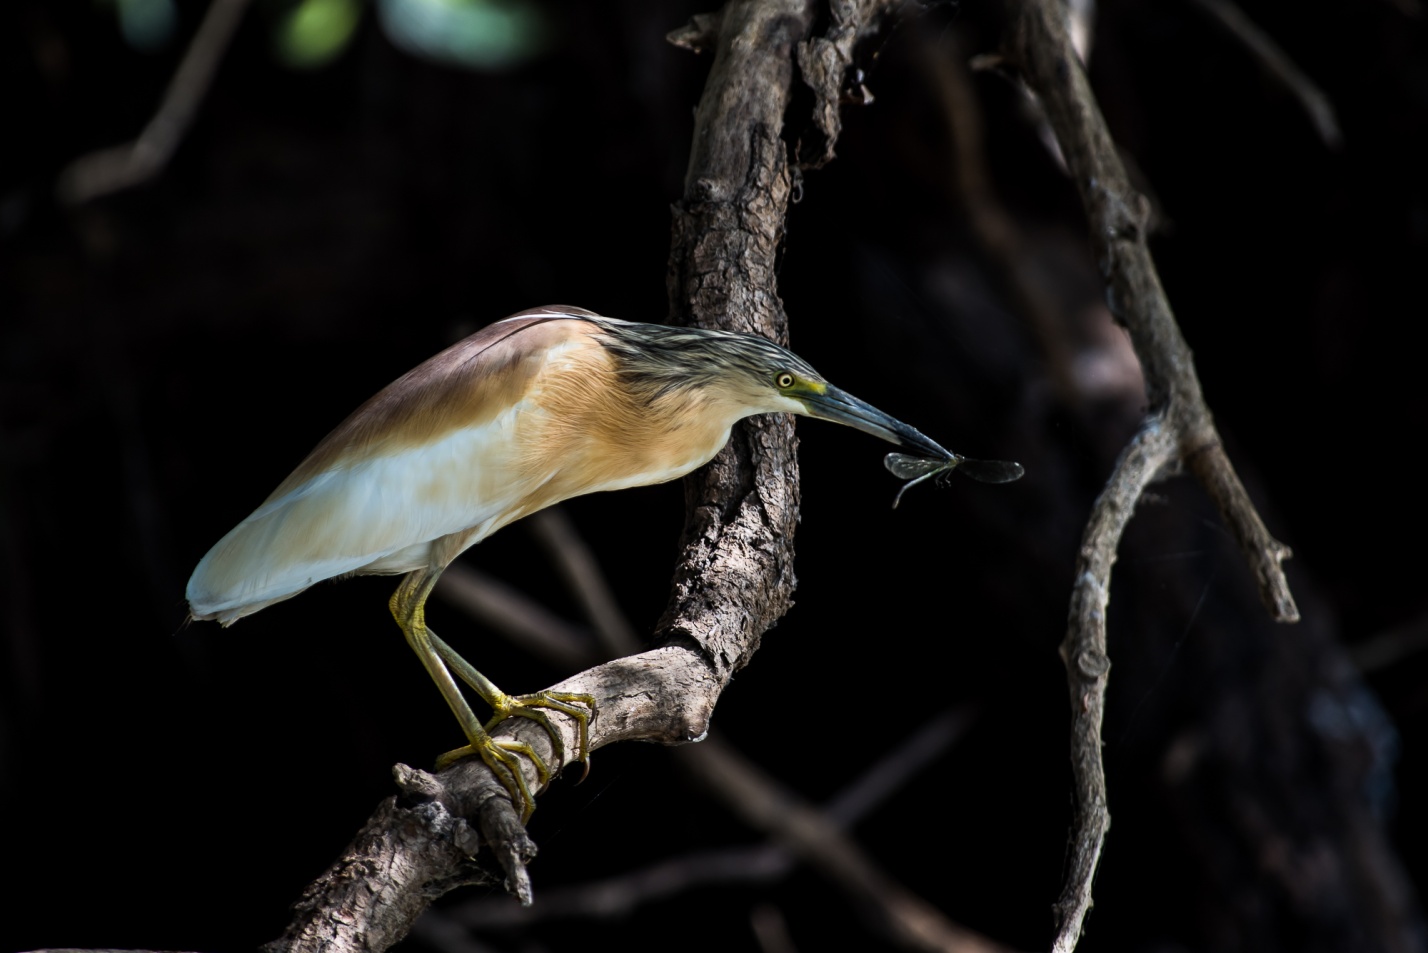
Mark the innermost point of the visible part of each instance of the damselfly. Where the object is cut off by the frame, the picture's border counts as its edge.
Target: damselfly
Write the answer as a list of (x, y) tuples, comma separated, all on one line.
[(916, 469)]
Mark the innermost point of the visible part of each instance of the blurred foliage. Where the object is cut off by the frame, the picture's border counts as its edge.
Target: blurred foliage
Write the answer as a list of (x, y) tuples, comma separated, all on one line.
[(477, 34), (314, 32), (473, 34), (147, 25)]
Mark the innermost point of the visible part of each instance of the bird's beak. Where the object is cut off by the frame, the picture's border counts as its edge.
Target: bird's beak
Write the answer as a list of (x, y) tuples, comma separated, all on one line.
[(843, 408)]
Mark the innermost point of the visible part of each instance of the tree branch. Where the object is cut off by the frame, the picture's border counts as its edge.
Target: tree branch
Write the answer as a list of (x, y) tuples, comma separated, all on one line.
[(578, 566), (1179, 430), (1278, 66), (826, 62), (807, 832), (505, 611), (723, 771), (734, 577), (796, 829), (1088, 665), (134, 163)]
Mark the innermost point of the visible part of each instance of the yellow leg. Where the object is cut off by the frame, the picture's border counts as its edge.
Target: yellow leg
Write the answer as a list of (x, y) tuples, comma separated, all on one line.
[(522, 706), (409, 608)]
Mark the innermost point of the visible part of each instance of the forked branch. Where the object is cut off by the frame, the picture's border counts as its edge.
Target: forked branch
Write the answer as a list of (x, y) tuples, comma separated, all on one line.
[(1179, 430), (135, 162), (734, 577)]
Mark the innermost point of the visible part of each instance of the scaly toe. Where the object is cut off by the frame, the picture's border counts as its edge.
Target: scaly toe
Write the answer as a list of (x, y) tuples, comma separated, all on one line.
[(567, 703), (500, 757)]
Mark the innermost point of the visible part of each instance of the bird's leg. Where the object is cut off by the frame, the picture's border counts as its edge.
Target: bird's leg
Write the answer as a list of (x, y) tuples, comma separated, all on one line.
[(524, 706), (409, 608)]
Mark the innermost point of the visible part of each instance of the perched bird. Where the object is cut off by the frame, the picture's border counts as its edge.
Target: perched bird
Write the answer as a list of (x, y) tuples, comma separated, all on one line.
[(540, 407)]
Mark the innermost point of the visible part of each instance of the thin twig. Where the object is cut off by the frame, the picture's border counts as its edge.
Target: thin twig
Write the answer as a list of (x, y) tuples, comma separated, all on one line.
[(994, 230), (443, 934), (1133, 292), (1179, 431), (724, 772), (620, 895), (763, 804), (1081, 16), (507, 612), (1278, 66), (133, 163), (1264, 553), (1389, 648), (770, 929), (1088, 665), (578, 566)]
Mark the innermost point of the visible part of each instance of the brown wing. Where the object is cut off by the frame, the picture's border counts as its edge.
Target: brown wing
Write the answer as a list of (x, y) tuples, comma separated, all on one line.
[(463, 386), (429, 456)]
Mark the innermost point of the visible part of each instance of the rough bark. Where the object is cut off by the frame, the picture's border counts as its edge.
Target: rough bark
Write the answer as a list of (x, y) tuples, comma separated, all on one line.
[(1179, 431), (734, 577)]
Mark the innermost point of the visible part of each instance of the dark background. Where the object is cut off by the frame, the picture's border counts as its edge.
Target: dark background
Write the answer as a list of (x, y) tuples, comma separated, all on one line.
[(169, 353)]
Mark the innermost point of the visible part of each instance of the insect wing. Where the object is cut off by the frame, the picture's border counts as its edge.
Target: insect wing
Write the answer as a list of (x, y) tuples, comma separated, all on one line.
[(906, 467), (992, 471), (915, 470)]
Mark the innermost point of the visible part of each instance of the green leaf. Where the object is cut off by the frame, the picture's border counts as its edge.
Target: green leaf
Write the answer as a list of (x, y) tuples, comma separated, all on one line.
[(475, 34), (314, 32)]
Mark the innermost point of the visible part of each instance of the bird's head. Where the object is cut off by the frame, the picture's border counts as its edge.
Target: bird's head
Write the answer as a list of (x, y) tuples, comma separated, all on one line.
[(750, 372)]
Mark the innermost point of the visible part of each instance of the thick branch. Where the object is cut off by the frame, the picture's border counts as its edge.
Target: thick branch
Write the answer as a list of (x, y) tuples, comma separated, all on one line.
[(403, 857), (734, 577)]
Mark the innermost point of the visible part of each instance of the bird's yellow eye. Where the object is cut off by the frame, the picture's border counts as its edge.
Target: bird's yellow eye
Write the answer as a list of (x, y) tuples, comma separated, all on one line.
[(784, 380)]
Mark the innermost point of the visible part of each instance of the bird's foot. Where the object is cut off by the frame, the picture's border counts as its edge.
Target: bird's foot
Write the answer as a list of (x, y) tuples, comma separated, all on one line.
[(567, 703), (501, 758)]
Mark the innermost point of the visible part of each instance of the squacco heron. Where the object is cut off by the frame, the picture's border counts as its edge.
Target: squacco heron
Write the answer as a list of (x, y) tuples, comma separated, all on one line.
[(543, 406)]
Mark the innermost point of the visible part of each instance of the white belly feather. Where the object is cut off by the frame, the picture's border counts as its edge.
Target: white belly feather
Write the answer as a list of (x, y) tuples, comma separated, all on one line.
[(392, 504), (379, 515), (382, 515)]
